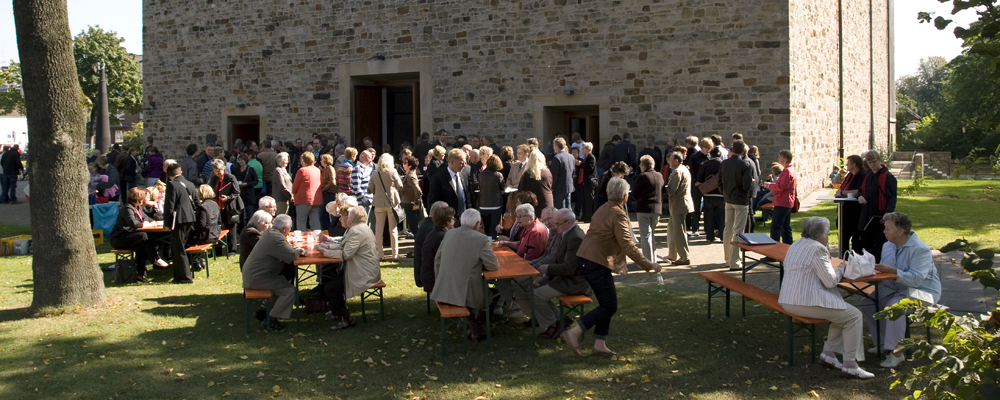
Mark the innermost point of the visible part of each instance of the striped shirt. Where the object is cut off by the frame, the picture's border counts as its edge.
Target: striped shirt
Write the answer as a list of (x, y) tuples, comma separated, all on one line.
[(344, 171), (810, 279), (360, 177)]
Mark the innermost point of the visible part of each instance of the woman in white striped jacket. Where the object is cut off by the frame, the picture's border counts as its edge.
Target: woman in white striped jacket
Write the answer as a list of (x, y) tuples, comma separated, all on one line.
[(809, 289)]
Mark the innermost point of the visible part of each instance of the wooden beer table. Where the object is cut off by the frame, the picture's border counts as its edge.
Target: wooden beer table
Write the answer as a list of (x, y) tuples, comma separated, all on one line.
[(512, 267)]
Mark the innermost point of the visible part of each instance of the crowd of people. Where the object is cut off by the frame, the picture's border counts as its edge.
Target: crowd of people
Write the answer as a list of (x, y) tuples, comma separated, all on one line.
[(457, 198)]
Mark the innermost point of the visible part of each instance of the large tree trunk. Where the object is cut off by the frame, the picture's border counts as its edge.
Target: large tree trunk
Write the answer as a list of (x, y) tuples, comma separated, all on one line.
[(65, 263)]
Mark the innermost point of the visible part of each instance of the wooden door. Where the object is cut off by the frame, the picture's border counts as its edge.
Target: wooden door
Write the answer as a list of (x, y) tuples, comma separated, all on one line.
[(367, 114)]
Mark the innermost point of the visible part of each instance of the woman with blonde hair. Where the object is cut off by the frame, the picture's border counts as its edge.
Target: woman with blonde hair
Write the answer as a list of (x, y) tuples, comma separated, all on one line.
[(437, 160), (384, 187), (537, 179)]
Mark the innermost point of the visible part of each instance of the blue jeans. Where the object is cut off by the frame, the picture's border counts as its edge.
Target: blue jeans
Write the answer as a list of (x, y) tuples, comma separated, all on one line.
[(8, 184), (781, 224), (603, 284)]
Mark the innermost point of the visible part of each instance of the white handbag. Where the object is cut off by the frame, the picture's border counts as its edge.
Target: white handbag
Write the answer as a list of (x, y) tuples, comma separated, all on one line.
[(859, 265)]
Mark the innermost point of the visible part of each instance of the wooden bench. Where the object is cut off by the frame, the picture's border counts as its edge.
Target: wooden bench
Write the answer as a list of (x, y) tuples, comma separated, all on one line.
[(571, 303), (870, 290), (719, 281), (122, 255), (200, 251), (376, 291), (453, 316), (222, 241), (765, 212), (251, 296)]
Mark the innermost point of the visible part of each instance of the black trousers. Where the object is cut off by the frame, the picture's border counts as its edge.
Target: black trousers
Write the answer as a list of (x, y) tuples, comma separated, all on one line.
[(694, 218), (587, 195), (139, 243), (715, 216), (178, 239), (873, 238), (333, 290)]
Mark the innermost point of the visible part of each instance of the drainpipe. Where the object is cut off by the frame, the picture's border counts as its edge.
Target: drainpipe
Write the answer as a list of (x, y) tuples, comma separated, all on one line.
[(871, 73), (840, 69), (890, 38)]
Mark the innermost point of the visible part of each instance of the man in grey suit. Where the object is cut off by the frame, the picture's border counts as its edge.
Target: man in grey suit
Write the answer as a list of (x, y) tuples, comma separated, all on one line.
[(459, 265), (563, 169), (564, 277), (263, 267)]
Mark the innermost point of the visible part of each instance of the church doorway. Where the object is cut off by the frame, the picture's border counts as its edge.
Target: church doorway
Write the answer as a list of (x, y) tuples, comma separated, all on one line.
[(243, 127), (386, 109), (567, 120)]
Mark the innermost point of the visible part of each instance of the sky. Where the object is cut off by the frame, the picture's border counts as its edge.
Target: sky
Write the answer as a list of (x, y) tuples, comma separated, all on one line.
[(914, 40)]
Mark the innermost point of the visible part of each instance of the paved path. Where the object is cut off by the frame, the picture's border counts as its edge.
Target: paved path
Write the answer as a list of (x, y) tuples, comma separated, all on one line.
[(958, 291)]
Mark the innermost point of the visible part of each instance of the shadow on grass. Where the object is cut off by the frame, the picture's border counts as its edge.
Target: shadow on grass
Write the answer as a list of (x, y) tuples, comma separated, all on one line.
[(14, 314)]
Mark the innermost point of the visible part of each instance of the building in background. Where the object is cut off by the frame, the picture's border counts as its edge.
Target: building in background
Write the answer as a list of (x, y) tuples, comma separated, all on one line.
[(813, 77)]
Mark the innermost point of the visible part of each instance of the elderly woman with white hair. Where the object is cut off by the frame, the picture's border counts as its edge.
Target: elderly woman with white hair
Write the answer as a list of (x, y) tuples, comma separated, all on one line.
[(384, 185), (909, 258), (256, 225), (360, 269), (281, 184), (333, 208), (809, 289), (603, 251)]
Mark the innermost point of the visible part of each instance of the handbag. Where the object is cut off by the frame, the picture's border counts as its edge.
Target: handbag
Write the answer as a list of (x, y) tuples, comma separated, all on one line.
[(796, 204), (396, 209), (859, 265), (710, 184)]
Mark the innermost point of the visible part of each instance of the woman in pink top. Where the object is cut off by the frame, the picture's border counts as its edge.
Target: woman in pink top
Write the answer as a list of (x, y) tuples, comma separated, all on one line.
[(307, 194), (784, 199)]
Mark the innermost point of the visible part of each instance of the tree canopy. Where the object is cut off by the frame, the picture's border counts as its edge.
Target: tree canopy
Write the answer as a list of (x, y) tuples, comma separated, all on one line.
[(11, 100), (123, 74), (981, 36)]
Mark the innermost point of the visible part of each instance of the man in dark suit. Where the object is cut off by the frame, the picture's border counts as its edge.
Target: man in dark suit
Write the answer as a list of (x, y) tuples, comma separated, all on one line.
[(563, 168), (653, 151), (451, 185), (589, 166), (625, 152), (420, 152), (179, 204), (565, 278)]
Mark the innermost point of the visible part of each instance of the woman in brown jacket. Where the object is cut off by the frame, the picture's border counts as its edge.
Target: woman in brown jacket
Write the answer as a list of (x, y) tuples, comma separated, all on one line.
[(327, 185), (411, 194), (602, 251)]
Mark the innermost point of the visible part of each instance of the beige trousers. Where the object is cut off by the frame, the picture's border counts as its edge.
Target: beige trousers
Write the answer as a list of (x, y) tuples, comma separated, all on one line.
[(381, 215), (845, 335), (736, 222), (546, 313), (677, 239)]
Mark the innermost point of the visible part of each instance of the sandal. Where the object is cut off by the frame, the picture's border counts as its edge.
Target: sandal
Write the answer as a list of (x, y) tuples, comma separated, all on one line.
[(344, 324)]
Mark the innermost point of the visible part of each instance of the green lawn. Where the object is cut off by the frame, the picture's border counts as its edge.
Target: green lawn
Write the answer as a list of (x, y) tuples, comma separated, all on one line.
[(189, 341), (942, 211)]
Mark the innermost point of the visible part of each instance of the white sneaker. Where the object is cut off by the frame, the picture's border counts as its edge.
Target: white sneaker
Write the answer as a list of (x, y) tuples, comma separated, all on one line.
[(891, 361), (873, 350), (856, 373)]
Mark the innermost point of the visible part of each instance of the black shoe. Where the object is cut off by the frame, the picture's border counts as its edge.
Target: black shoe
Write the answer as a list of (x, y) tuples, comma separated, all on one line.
[(260, 315), (181, 282), (529, 323), (274, 326), (14, 202), (409, 255), (196, 268), (142, 279)]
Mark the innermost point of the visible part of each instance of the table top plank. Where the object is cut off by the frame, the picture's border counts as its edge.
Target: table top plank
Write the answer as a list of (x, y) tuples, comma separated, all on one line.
[(778, 251), (511, 266)]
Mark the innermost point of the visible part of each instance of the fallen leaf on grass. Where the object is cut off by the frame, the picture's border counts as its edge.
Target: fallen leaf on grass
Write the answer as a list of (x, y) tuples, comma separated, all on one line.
[(813, 393), (431, 377), (795, 386), (276, 389), (644, 379), (773, 388), (210, 384)]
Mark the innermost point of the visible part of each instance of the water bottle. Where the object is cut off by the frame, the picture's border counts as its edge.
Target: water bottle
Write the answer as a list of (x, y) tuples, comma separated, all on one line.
[(659, 283)]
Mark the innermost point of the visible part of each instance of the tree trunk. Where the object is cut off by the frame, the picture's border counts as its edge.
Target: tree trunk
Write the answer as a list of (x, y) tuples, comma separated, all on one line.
[(64, 263)]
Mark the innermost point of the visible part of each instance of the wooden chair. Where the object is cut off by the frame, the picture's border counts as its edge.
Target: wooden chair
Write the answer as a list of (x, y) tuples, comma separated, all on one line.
[(253, 295), (453, 316), (571, 303), (374, 291)]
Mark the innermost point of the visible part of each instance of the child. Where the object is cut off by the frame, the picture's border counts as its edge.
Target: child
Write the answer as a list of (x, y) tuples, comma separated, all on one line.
[(833, 175)]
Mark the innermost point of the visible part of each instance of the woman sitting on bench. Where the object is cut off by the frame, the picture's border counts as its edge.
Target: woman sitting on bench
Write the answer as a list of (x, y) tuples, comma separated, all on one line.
[(125, 235), (810, 290), (360, 268)]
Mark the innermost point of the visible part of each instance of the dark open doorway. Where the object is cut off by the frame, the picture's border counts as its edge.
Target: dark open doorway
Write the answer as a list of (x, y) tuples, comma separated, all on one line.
[(243, 127), (567, 120), (386, 110)]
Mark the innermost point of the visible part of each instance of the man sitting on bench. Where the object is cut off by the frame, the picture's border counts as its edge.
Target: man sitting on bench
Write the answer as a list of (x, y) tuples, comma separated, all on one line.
[(263, 267), (564, 276), (810, 290)]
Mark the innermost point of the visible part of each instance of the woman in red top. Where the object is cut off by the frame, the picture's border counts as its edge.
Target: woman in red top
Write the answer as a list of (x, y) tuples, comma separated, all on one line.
[(308, 194), (784, 199)]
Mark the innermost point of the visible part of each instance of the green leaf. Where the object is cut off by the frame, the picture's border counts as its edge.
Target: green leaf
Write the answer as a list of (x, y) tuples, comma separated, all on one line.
[(987, 277), (941, 23), (958, 244)]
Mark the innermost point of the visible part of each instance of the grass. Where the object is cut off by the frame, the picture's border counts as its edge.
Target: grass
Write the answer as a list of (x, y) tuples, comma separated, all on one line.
[(189, 341), (942, 211)]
